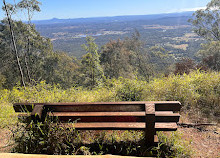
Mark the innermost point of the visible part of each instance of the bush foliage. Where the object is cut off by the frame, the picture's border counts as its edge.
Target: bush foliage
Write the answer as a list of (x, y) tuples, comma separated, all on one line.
[(198, 91)]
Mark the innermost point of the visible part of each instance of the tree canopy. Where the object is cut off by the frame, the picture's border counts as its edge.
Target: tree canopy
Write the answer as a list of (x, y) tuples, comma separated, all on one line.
[(206, 22)]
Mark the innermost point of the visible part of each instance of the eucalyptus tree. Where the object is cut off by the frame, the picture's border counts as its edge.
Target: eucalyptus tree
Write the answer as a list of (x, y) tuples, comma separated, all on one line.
[(206, 23), (210, 53), (125, 58), (41, 49), (9, 10), (30, 49), (28, 6), (92, 72)]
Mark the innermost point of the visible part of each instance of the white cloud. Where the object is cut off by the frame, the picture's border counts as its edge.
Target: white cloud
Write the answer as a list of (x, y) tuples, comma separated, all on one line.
[(191, 9), (185, 9)]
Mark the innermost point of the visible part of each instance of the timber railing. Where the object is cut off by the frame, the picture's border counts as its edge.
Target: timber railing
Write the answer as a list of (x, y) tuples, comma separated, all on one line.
[(150, 116)]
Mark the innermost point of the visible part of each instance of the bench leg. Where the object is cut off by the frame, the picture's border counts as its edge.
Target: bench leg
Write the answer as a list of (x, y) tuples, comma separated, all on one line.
[(150, 124), (150, 130), (37, 114)]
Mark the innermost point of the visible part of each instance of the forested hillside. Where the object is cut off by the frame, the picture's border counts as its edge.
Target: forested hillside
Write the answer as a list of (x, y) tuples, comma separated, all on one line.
[(163, 57)]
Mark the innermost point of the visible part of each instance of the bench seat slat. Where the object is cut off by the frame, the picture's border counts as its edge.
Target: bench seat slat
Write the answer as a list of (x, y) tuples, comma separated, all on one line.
[(96, 114), (157, 113), (108, 126), (165, 126), (166, 113), (167, 116), (161, 116), (122, 126)]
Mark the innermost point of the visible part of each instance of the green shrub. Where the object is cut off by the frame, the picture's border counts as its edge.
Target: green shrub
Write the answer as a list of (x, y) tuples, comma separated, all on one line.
[(172, 145), (48, 138), (7, 115), (198, 92), (129, 90)]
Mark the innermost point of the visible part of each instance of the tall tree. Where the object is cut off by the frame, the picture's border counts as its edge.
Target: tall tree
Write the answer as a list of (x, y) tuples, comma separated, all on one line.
[(160, 59), (7, 9), (206, 22), (125, 58), (184, 66), (90, 64), (59, 68), (40, 49), (30, 6), (112, 59), (210, 54)]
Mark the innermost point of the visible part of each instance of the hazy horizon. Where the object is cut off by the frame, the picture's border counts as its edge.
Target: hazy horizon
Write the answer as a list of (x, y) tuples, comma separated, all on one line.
[(114, 16)]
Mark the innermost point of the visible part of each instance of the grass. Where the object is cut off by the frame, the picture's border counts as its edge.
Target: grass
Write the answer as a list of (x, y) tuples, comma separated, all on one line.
[(7, 115), (172, 145)]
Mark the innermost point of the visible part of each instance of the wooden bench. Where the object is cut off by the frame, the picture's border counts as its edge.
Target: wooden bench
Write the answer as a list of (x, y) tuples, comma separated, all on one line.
[(150, 116)]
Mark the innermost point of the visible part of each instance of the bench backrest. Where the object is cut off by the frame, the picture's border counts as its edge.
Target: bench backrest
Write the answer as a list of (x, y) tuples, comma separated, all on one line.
[(122, 106)]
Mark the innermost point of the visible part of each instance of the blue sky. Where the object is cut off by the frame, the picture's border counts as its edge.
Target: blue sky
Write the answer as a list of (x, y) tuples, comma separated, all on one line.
[(64, 9)]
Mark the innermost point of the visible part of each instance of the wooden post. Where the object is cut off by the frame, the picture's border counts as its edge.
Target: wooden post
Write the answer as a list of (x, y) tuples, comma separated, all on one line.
[(37, 113), (150, 124)]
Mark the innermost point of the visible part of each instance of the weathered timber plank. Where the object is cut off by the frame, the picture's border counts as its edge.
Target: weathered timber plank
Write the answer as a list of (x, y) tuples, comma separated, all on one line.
[(121, 126), (150, 108), (161, 116), (162, 126), (96, 114), (108, 126), (21, 107), (167, 116), (103, 103), (157, 113), (99, 116), (37, 112), (96, 108), (150, 124), (160, 105), (168, 106)]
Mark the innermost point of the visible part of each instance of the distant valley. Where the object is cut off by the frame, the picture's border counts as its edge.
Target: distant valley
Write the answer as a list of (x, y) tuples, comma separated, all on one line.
[(171, 31)]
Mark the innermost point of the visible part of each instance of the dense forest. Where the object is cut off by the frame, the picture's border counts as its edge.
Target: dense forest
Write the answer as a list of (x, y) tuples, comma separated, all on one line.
[(120, 69)]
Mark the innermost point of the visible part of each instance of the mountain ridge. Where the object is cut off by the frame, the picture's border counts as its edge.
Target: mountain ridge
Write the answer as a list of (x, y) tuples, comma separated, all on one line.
[(100, 19)]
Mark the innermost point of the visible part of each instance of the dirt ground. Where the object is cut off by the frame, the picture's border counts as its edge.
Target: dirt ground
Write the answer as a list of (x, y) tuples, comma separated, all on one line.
[(4, 140), (205, 143)]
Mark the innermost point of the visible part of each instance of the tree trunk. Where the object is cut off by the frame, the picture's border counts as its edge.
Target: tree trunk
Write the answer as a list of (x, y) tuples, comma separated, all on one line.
[(14, 44)]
